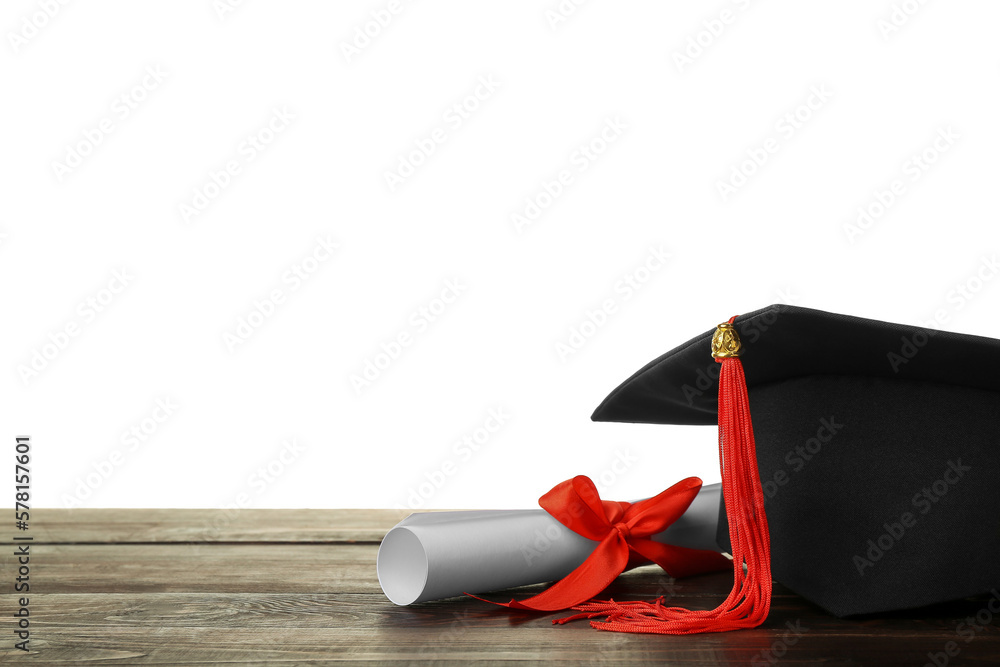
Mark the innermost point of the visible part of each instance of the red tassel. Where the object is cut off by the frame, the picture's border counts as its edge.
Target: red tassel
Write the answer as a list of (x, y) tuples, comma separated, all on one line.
[(750, 600)]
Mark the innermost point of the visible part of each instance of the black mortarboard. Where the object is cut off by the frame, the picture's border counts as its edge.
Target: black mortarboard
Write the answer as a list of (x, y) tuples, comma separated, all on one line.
[(877, 445)]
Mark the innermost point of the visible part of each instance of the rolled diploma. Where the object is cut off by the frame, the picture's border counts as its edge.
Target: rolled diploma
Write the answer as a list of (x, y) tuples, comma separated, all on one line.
[(437, 555)]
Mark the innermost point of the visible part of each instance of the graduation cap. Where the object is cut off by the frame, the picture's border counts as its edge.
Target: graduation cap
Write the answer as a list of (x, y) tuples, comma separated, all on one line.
[(868, 479)]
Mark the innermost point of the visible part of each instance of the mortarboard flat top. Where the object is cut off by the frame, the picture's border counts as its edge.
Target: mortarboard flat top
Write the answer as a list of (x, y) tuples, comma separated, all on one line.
[(878, 446)]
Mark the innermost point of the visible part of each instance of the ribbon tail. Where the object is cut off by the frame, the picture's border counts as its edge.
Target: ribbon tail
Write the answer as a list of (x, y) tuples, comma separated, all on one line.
[(593, 575)]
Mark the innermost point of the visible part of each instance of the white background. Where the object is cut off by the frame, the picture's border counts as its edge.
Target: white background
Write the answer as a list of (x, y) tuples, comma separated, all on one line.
[(891, 81)]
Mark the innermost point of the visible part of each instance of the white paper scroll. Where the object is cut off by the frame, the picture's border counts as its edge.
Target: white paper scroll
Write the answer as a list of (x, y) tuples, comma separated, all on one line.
[(436, 555)]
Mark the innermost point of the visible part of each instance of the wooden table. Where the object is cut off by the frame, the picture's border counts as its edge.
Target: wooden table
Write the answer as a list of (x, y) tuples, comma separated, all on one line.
[(190, 587)]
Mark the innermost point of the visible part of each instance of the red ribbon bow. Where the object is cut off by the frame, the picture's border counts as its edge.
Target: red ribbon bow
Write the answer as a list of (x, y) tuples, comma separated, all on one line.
[(622, 529)]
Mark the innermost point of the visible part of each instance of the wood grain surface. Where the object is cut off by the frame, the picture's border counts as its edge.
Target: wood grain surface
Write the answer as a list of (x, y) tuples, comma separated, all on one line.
[(190, 587)]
